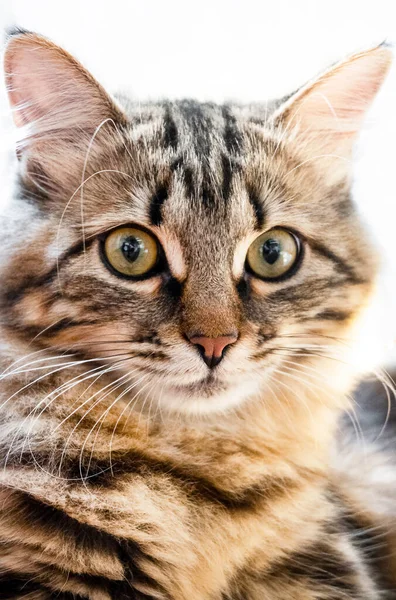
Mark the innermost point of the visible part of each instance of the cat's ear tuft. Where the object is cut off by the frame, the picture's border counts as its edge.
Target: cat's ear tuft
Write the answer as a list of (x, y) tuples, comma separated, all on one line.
[(14, 30), (325, 116), (49, 90)]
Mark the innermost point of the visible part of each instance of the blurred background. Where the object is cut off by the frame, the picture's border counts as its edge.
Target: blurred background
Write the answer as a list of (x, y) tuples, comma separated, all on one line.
[(233, 49)]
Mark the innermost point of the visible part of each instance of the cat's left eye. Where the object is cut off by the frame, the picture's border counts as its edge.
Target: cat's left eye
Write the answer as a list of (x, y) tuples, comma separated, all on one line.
[(274, 254), (131, 252)]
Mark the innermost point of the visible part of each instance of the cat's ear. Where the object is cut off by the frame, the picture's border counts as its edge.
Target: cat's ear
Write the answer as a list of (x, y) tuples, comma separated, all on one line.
[(57, 104), (325, 116), (49, 90)]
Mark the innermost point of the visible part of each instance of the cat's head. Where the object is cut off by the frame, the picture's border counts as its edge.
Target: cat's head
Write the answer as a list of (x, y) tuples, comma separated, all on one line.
[(205, 252)]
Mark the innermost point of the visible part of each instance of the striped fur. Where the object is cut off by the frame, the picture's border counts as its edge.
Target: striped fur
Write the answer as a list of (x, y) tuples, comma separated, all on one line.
[(127, 471)]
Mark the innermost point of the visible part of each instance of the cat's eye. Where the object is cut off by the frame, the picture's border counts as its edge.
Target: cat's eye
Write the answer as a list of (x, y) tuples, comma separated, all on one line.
[(274, 254), (131, 252)]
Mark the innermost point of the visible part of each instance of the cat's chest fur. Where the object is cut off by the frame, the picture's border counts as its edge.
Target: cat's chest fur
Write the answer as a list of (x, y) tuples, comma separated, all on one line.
[(190, 514), (148, 538)]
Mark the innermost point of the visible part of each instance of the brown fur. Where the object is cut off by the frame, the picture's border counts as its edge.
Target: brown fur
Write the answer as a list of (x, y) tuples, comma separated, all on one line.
[(128, 472)]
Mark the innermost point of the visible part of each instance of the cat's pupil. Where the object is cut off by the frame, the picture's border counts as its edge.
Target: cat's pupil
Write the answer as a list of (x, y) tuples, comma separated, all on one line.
[(130, 248), (271, 250)]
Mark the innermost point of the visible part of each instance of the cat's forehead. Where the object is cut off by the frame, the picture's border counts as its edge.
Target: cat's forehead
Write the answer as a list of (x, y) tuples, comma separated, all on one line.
[(199, 127), (202, 172), (206, 163)]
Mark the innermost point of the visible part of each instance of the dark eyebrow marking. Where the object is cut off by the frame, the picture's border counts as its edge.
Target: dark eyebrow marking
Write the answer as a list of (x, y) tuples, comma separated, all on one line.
[(257, 205), (171, 135), (156, 205), (342, 266)]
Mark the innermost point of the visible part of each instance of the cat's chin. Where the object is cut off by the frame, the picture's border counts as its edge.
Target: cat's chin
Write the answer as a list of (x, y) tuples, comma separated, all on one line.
[(206, 396)]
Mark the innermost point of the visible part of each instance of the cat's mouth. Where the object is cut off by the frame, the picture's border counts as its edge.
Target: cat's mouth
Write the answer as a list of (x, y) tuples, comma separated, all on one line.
[(207, 386)]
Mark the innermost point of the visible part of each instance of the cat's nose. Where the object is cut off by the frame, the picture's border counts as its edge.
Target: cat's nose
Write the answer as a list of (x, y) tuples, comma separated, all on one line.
[(212, 349)]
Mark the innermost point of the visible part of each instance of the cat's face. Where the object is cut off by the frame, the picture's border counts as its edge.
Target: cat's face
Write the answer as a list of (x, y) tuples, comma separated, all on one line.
[(210, 250)]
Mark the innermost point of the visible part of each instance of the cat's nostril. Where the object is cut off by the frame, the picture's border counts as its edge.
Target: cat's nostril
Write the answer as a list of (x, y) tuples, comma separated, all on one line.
[(212, 349)]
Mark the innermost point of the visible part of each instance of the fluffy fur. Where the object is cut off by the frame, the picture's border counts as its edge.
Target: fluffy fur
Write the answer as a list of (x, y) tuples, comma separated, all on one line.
[(130, 470)]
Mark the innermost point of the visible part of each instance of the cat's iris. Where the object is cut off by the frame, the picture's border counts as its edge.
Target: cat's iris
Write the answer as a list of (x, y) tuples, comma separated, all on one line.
[(273, 254), (131, 251)]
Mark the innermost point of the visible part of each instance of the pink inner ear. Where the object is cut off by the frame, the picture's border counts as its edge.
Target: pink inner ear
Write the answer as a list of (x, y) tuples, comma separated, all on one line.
[(329, 112), (49, 90)]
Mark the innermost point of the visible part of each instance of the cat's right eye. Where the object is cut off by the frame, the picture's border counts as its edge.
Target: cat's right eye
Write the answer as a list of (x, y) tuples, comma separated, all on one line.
[(131, 252)]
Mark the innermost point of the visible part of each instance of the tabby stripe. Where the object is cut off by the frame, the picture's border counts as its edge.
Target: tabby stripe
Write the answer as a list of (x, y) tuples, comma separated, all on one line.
[(14, 587), (323, 566), (129, 555), (151, 354), (70, 530), (342, 266), (263, 353), (186, 174), (17, 585), (363, 537), (200, 125), (266, 336), (34, 332), (177, 164), (43, 575), (64, 324), (304, 291), (32, 283), (227, 176), (331, 315), (284, 351), (170, 130), (233, 138), (157, 201), (188, 179), (148, 338), (207, 192), (100, 474), (344, 207)]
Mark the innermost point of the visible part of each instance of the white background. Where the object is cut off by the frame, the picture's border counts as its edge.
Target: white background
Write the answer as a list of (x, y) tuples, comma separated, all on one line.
[(233, 49)]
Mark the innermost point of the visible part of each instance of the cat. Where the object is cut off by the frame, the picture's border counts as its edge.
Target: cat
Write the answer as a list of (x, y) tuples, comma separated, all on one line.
[(182, 291)]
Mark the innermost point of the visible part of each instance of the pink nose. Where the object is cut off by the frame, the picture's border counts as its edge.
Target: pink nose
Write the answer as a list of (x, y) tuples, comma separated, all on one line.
[(213, 348)]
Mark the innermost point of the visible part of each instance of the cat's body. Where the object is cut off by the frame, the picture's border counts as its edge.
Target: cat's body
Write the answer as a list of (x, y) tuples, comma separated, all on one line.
[(135, 466), (201, 512)]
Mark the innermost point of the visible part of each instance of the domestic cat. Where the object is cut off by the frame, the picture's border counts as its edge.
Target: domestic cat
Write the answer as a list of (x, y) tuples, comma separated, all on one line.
[(182, 290)]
